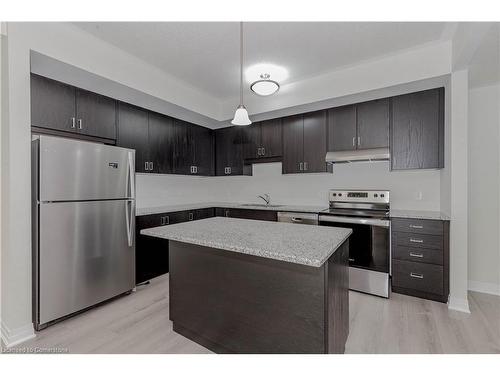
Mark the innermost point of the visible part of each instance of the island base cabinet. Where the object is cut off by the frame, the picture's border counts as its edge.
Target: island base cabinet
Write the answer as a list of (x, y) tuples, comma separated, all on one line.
[(237, 303)]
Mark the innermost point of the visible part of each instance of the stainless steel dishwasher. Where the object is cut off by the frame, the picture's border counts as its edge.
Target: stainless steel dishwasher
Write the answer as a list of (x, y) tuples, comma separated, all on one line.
[(298, 218)]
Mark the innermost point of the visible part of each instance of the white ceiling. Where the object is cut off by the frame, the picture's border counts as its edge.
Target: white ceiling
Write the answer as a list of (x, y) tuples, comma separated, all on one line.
[(205, 55)]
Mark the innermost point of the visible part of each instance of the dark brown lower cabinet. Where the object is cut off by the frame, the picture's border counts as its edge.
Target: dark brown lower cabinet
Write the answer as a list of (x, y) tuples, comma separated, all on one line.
[(420, 258), (151, 253), (239, 213)]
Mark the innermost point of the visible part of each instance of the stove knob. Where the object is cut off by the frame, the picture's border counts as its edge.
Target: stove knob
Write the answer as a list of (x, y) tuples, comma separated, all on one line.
[(340, 194), (334, 194), (382, 195), (375, 195)]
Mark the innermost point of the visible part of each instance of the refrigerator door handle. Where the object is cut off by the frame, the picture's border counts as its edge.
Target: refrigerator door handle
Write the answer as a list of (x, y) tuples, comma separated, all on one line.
[(129, 205), (131, 179)]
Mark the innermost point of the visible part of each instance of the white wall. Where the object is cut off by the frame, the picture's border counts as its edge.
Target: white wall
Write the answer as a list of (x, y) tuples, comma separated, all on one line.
[(484, 188), (300, 189)]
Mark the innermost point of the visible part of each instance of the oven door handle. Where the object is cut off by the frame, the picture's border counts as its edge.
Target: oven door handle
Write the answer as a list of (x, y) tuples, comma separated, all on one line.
[(352, 220)]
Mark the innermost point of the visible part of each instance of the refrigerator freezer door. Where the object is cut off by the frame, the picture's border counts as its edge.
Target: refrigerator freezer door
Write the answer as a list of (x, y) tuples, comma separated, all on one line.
[(86, 255), (72, 170)]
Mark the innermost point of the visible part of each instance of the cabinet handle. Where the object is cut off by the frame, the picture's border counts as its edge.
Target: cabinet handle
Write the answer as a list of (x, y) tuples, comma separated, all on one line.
[(416, 275), (146, 167), (416, 226), (353, 141), (416, 241), (162, 220), (167, 220), (80, 123), (226, 213), (415, 255), (263, 151), (228, 170), (351, 259), (151, 166), (191, 216), (359, 141), (258, 151), (301, 166), (195, 169), (73, 122), (305, 165)]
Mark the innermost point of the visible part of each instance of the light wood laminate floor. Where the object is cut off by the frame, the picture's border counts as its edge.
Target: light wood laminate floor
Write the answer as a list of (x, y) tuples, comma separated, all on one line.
[(139, 323)]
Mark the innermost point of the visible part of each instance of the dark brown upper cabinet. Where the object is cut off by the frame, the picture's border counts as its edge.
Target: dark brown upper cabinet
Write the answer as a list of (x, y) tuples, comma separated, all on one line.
[(53, 104), (417, 130), (95, 114), (203, 150), (160, 140), (61, 107), (229, 152), (359, 126), (193, 149), (342, 128), (304, 143), (133, 132), (262, 140), (373, 124)]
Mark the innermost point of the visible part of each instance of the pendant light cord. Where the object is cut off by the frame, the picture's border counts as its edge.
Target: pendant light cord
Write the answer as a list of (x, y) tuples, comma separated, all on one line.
[(241, 63)]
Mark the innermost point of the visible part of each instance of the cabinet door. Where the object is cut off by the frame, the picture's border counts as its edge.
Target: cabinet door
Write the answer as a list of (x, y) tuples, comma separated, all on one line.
[(229, 150), (252, 141), (203, 213), (182, 148), (95, 114), (52, 104), (239, 213), (293, 144), (373, 124), (315, 142), (160, 143), (151, 253), (203, 150), (271, 138), (133, 133), (417, 130), (342, 128)]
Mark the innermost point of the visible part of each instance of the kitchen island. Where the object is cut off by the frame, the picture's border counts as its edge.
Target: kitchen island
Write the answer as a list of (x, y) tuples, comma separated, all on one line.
[(248, 286)]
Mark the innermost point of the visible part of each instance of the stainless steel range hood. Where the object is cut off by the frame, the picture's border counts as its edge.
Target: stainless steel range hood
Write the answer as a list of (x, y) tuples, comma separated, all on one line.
[(372, 154)]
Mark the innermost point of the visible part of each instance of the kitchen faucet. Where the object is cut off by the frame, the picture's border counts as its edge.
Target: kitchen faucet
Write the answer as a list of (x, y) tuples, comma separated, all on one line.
[(266, 198)]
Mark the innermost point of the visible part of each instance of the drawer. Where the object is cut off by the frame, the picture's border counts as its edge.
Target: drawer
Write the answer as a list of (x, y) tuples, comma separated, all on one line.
[(156, 220), (419, 255), (434, 227), (417, 240), (417, 276)]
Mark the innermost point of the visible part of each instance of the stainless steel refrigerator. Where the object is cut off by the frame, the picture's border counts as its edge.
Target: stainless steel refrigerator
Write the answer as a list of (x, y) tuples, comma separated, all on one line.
[(83, 225)]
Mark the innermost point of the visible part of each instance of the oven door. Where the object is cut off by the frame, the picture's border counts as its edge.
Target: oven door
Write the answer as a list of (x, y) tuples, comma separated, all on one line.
[(368, 243)]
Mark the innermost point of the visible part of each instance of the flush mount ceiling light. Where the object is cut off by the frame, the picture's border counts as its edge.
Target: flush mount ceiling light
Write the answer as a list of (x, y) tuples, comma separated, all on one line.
[(241, 114), (265, 86)]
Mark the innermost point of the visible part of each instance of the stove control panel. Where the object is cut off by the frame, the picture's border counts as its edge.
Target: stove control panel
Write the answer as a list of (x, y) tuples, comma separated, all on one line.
[(361, 196)]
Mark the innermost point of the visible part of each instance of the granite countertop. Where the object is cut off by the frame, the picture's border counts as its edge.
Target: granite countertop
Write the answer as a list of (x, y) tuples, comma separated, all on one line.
[(395, 213), (248, 206), (417, 214), (308, 245)]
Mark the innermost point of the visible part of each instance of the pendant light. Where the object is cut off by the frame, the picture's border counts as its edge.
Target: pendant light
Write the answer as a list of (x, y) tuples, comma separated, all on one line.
[(241, 114)]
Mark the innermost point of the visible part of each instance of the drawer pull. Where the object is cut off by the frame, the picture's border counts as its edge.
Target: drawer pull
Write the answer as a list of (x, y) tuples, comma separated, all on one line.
[(416, 241), (416, 226), (416, 275), (415, 255)]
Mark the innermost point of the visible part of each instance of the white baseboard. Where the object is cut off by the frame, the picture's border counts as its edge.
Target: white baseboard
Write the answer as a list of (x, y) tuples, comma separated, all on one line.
[(13, 337), (481, 287), (459, 304)]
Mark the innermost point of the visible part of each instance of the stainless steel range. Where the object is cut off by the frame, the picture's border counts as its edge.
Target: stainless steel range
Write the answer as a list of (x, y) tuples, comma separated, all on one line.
[(366, 212)]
